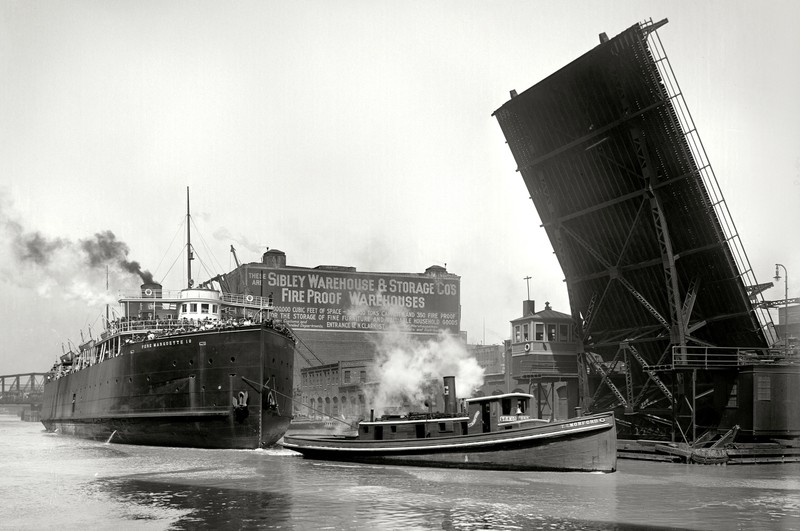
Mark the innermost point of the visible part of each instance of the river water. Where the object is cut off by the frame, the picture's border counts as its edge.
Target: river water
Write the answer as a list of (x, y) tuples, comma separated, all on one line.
[(50, 481)]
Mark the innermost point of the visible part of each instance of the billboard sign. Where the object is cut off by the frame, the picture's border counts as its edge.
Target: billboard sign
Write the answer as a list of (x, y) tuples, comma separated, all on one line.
[(314, 299)]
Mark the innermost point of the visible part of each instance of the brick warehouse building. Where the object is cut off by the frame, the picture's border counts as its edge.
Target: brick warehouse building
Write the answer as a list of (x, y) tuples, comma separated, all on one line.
[(338, 315)]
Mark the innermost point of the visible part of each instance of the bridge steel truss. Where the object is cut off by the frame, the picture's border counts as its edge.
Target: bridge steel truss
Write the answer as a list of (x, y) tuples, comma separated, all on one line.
[(22, 388), (652, 260)]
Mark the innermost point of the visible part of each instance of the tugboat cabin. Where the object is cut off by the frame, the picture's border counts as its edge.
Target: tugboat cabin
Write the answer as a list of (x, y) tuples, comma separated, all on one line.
[(483, 415)]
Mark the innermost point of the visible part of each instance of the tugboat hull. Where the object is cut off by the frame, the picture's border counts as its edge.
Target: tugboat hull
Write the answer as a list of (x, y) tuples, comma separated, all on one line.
[(581, 444)]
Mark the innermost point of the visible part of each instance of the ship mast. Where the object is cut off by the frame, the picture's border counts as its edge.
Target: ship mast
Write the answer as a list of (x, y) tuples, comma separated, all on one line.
[(189, 256)]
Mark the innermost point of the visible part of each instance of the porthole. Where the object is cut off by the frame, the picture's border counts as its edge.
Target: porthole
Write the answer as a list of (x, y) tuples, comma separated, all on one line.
[(174, 363), (233, 359), (191, 363), (211, 361), (130, 380)]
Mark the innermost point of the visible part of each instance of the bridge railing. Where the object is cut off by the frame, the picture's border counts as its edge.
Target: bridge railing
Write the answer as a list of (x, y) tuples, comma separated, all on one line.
[(696, 357)]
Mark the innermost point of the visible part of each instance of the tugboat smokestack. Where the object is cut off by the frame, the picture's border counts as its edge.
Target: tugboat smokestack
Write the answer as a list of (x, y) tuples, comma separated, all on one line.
[(450, 395)]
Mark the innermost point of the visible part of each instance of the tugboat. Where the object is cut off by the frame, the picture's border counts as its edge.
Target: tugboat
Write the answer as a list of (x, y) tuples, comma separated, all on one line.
[(197, 368), (493, 433)]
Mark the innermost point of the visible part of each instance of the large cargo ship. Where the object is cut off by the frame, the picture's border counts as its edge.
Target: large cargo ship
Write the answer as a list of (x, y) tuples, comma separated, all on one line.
[(196, 368)]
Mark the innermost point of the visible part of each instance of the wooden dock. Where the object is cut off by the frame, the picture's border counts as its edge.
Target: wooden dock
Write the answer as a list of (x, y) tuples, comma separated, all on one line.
[(735, 453)]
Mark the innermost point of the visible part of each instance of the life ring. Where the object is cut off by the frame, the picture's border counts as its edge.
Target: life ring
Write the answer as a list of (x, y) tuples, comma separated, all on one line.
[(527, 347), (148, 292), (249, 298)]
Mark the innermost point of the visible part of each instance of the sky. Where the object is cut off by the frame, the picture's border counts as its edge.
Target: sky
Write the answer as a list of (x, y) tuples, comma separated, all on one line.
[(350, 133)]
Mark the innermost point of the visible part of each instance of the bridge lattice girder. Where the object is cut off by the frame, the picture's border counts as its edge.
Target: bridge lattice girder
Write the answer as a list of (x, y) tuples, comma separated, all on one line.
[(631, 212)]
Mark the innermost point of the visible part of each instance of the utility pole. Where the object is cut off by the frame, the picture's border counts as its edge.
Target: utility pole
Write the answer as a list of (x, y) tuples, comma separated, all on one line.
[(785, 322)]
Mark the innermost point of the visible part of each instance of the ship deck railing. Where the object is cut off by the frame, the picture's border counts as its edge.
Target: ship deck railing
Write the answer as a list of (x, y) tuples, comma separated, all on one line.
[(137, 330), (161, 326), (243, 300)]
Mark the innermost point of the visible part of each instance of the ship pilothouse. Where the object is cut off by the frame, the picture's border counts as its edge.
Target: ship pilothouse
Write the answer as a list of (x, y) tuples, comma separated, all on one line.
[(193, 308)]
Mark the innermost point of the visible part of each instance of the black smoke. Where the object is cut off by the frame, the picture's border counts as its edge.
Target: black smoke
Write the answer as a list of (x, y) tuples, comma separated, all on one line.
[(101, 250), (106, 249), (33, 246)]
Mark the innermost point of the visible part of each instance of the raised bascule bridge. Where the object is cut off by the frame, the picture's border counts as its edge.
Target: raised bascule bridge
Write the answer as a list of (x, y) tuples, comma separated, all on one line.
[(673, 331)]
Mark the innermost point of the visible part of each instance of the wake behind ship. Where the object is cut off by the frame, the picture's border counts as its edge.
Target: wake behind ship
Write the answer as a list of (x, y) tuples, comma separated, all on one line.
[(203, 369)]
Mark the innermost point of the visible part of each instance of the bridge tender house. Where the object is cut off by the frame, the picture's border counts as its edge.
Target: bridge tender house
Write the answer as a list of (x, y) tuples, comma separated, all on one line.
[(334, 300)]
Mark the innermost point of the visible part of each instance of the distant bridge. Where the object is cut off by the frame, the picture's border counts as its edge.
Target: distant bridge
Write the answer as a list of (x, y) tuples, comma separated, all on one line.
[(22, 388)]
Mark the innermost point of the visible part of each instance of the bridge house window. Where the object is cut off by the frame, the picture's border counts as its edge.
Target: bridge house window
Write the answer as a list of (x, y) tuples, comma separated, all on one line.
[(563, 332)]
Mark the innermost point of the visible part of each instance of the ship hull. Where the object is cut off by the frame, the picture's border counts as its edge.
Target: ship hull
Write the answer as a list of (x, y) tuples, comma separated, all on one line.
[(223, 388), (585, 444)]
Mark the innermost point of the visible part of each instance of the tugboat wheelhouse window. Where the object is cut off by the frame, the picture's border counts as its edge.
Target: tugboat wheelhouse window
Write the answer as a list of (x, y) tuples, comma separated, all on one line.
[(539, 332), (516, 334), (525, 332)]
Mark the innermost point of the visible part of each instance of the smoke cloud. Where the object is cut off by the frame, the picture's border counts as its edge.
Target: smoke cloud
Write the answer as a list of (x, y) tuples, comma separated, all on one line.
[(410, 371), (60, 265), (105, 249)]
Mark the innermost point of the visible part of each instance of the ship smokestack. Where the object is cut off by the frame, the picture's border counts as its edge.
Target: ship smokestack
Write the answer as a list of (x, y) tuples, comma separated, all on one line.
[(151, 290), (450, 395)]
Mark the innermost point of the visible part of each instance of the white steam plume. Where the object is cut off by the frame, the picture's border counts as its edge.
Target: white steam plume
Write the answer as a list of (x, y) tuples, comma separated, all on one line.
[(406, 368)]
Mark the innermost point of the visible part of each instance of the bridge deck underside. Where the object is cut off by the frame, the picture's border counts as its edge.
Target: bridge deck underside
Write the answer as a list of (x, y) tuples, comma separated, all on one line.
[(604, 157)]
